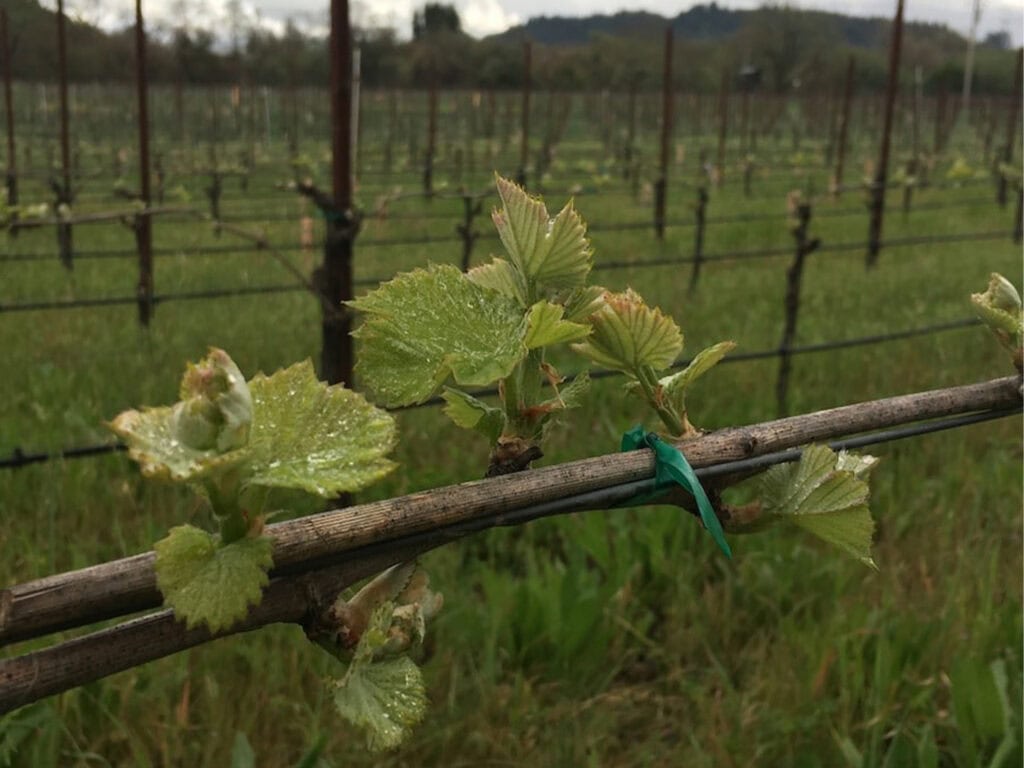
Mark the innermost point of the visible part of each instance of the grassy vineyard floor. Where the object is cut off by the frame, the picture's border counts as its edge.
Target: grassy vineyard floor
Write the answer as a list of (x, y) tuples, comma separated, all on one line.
[(601, 639)]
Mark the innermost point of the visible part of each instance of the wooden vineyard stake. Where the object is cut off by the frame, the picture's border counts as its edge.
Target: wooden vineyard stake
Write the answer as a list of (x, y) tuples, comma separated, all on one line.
[(723, 123), (471, 208), (143, 223), (940, 122), (524, 117), (62, 188), (389, 139), (1011, 125), (335, 281), (912, 168), (661, 185), (844, 130), (628, 149), (1018, 218), (428, 158), (472, 108), (881, 171), (356, 119), (700, 211), (800, 219), (12, 155)]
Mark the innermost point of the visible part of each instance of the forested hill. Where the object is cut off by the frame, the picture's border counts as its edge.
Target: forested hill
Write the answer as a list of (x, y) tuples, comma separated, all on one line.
[(785, 45), (713, 22), (33, 40)]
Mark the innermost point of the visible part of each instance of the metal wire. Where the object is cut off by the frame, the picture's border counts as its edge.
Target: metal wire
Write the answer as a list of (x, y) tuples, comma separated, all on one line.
[(764, 354), (19, 459), (110, 301), (620, 495)]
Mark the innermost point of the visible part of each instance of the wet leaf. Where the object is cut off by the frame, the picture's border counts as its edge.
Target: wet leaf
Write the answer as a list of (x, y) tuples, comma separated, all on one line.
[(428, 325), (627, 334), (551, 253), (206, 431), (1000, 308), (209, 583), (317, 438), (385, 698)]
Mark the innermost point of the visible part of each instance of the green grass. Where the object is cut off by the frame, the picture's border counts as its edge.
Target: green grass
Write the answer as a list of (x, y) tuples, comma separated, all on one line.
[(602, 639)]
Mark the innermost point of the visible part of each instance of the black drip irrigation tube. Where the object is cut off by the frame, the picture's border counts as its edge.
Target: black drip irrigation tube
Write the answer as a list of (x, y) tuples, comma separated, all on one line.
[(19, 458)]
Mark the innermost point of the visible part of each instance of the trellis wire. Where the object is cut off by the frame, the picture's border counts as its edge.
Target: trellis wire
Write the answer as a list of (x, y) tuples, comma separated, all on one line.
[(18, 458)]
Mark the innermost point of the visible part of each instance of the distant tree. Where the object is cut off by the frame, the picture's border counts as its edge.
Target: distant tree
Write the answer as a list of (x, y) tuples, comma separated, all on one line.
[(196, 58), (501, 65), (1001, 40), (785, 42), (381, 57), (434, 18)]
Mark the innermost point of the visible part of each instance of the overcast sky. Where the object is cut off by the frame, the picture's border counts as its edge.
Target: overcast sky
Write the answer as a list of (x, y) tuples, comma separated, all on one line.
[(484, 17)]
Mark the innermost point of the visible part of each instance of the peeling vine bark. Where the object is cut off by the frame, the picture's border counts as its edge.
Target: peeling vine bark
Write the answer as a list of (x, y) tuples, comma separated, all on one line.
[(322, 554)]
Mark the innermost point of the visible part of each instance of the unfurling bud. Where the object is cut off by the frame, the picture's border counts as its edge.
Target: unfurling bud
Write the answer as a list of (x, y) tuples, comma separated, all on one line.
[(1000, 308), (1002, 294), (216, 408)]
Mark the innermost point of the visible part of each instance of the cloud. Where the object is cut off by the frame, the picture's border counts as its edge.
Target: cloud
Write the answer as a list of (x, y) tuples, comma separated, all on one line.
[(485, 17), (479, 17)]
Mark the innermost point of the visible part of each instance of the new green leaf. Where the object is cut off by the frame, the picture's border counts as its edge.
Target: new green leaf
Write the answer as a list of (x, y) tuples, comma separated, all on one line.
[(198, 434), (553, 254), (676, 385), (571, 395), (627, 335), (153, 441), (384, 697), (502, 277), (469, 413), (428, 325), (209, 583), (826, 495), (216, 407), (545, 326), (581, 303), (1000, 308), (312, 437)]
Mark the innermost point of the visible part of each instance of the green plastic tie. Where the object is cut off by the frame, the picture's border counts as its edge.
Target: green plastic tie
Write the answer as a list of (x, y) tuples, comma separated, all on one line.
[(330, 215), (671, 467)]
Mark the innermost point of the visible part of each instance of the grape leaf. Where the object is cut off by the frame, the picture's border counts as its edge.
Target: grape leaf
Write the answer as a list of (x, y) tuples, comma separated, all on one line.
[(676, 385), (1000, 308), (581, 303), (151, 435), (859, 464), (545, 326), (206, 582), (384, 697), (502, 277), (825, 495), (319, 439), (215, 394), (572, 394), (552, 253), (627, 334), (197, 435), (468, 412), (426, 325)]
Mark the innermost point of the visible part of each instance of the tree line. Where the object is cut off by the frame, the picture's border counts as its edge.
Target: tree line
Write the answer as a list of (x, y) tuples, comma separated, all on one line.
[(785, 48)]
